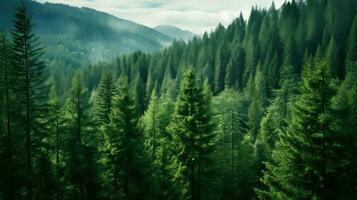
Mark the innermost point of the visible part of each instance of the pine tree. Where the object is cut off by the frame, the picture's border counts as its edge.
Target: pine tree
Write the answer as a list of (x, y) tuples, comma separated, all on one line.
[(332, 56), (128, 165), (6, 133), (80, 154), (140, 95), (104, 99), (257, 94), (235, 69), (159, 142), (192, 128), (298, 169), (278, 112), (352, 44), (30, 91), (220, 67), (55, 128), (343, 183), (233, 148), (151, 125)]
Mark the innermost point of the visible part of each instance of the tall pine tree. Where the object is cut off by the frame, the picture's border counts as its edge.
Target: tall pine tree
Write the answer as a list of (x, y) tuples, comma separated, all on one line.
[(31, 93), (192, 128)]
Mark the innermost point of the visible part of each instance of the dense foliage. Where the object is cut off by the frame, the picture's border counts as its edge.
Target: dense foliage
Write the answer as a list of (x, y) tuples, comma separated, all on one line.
[(262, 109)]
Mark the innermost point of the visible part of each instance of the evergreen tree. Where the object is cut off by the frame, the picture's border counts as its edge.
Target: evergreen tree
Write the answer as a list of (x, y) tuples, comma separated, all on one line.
[(159, 142), (56, 138), (31, 93), (332, 56), (192, 128), (104, 99), (220, 67), (298, 169), (151, 125), (344, 142), (128, 165), (79, 157), (140, 95), (235, 69), (257, 95), (7, 164), (352, 44)]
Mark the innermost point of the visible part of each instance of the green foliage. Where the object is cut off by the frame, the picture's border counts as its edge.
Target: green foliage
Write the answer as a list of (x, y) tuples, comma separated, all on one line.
[(104, 98), (299, 166), (80, 154), (283, 108), (192, 129), (128, 165), (30, 91)]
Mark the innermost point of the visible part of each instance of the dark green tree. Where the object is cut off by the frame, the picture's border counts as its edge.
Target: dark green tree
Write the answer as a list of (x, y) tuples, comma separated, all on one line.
[(104, 99), (6, 133), (79, 155), (128, 165), (31, 93), (192, 128), (299, 165)]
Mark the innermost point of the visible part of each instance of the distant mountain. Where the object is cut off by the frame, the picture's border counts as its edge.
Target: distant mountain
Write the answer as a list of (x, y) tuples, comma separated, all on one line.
[(75, 36), (175, 32)]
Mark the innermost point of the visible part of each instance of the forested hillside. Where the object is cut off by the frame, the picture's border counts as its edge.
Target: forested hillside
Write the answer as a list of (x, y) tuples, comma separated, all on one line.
[(74, 37), (265, 108), (175, 32)]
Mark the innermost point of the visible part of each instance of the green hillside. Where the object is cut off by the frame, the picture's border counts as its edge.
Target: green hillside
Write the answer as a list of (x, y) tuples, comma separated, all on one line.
[(77, 36), (175, 32)]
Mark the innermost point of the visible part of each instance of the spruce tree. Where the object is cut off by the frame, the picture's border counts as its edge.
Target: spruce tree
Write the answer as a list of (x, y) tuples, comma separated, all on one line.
[(299, 165), (104, 99), (192, 128), (352, 44), (7, 177), (31, 93), (151, 123), (235, 69), (159, 143), (128, 165), (343, 183), (79, 155), (55, 127)]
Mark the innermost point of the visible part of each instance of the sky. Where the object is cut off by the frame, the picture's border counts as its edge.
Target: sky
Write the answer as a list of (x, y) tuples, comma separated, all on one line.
[(193, 15)]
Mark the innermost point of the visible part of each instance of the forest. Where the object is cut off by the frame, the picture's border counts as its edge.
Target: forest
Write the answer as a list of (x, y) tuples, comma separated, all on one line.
[(265, 108)]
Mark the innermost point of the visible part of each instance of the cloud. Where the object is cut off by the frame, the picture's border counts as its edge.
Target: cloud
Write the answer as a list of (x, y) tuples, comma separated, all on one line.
[(194, 15), (152, 4)]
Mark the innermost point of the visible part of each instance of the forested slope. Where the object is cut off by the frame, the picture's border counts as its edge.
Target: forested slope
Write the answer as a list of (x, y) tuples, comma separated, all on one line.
[(261, 109), (74, 37)]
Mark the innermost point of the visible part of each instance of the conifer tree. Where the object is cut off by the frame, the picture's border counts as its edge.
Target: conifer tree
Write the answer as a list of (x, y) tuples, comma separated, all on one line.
[(192, 128), (352, 44), (220, 67), (7, 177), (104, 99), (128, 165), (31, 92), (332, 56), (79, 163), (235, 69), (344, 142), (151, 125), (140, 95), (257, 94), (299, 164), (159, 142), (55, 125)]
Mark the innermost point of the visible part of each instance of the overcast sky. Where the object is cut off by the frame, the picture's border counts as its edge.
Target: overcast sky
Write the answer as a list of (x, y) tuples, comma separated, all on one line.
[(194, 15)]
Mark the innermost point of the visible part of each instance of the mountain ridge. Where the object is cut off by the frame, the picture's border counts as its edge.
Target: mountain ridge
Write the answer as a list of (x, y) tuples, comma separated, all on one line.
[(175, 32)]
